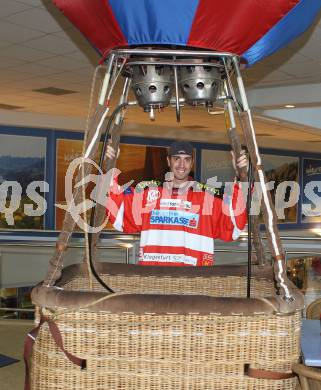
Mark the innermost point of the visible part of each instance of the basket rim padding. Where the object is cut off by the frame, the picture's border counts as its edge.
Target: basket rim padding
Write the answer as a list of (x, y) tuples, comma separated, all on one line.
[(54, 298), (114, 269)]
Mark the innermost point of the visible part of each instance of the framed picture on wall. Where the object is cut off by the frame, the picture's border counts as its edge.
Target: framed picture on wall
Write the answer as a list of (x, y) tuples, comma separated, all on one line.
[(282, 169), (277, 168), (217, 163), (67, 150), (22, 168), (311, 190)]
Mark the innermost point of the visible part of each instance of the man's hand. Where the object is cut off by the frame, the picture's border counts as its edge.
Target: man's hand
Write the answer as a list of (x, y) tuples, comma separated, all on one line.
[(111, 153), (241, 162)]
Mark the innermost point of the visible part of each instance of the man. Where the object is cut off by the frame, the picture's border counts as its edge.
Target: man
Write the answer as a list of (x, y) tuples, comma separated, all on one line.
[(179, 219)]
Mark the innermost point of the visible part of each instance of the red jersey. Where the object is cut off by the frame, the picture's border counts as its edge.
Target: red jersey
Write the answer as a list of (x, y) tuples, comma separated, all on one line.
[(177, 226)]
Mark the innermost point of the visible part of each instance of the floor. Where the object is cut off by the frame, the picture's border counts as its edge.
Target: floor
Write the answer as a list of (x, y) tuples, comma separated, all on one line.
[(12, 334)]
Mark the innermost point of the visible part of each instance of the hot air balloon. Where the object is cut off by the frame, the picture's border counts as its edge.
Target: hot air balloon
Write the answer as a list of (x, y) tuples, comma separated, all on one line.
[(157, 328), (251, 29)]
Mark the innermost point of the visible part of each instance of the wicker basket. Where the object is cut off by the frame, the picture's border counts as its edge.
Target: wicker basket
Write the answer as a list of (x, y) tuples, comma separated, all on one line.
[(164, 329)]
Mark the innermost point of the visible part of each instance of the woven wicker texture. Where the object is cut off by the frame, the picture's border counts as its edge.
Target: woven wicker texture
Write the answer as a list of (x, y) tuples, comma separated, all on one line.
[(229, 286), (168, 352)]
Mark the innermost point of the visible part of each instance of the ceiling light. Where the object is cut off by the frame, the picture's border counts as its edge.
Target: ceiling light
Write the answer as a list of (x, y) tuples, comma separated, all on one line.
[(317, 232), (289, 106), (243, 236), (128, 246), (126, 238)]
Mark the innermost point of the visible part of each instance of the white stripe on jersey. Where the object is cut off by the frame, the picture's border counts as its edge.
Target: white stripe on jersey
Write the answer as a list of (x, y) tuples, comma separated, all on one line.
[(175, 238), (118, 224), (236, 230)]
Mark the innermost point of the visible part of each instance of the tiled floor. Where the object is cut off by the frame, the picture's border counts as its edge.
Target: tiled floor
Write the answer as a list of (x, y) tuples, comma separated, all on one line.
[(12, 334)]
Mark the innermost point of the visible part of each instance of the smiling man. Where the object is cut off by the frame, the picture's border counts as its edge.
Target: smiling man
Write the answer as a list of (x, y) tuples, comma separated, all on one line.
[(179, 219)]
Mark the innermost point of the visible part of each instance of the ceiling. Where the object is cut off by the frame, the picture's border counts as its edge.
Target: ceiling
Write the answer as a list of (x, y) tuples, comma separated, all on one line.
[(40, 49)]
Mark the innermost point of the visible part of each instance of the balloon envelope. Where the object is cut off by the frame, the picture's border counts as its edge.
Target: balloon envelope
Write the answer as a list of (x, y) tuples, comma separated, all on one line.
[(250, 28)]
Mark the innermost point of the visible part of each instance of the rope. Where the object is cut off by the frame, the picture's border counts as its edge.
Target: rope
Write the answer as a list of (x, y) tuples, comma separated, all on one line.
[(91, 99), (55, 315)]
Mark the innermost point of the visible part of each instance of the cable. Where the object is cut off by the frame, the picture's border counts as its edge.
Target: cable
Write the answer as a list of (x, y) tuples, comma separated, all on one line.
[(93, 212), (238, 105), (249, 230)]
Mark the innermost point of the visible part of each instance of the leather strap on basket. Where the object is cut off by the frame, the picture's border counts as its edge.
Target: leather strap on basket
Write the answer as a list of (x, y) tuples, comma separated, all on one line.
[(267, 374), (100, 211), (56, 335), (257, 238), (268, 209)]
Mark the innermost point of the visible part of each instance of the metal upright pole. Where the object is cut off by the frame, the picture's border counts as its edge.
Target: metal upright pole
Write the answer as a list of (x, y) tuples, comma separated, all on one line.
[(178, 109), (102, 109), (237, 147), (100, 211), (127, 255), (105, 84), (249, 231), (269, 214)]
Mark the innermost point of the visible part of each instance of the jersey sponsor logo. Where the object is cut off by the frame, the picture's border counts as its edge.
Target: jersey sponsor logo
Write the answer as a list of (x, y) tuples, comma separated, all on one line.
[(169, 258), (208, 259), (187, 205), (175, 218), (152, 195), (208, 256), (141, 253), (177, 203), (170, 203)]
